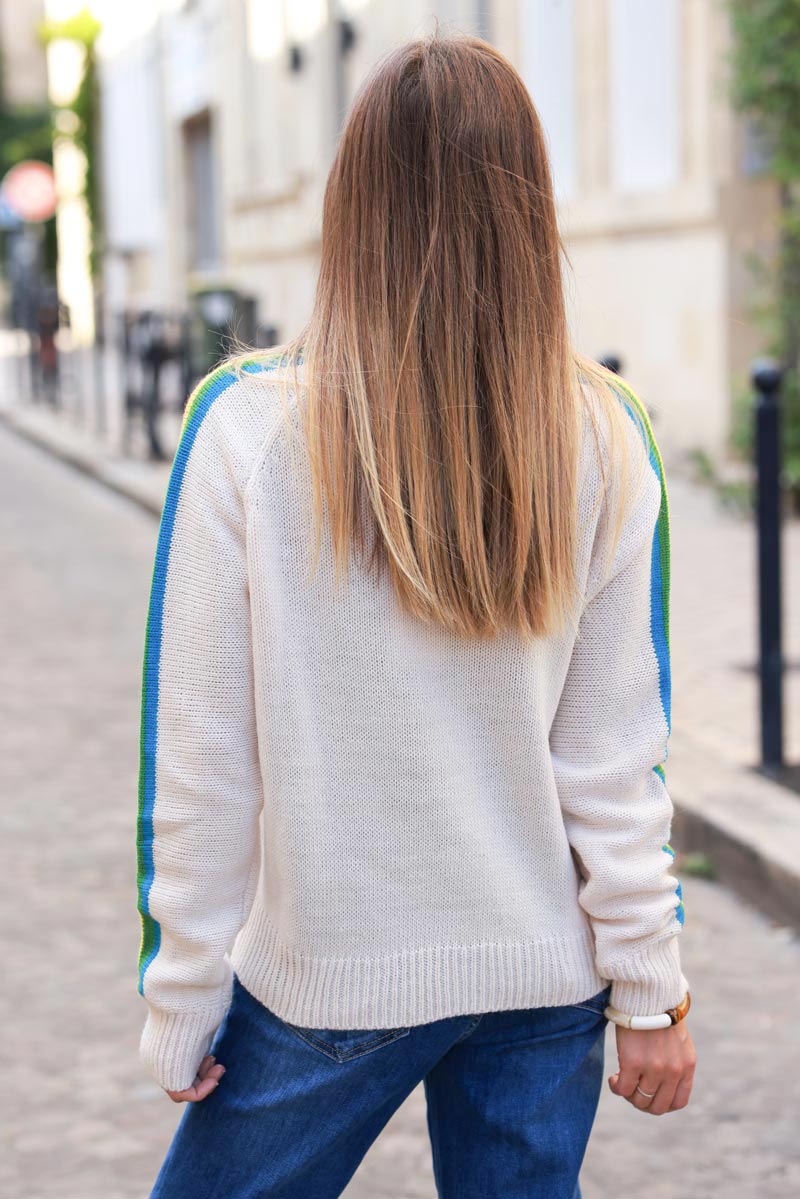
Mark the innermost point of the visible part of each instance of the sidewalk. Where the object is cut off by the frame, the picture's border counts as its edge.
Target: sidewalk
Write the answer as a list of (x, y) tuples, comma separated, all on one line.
[(142, 481), (747, 824)]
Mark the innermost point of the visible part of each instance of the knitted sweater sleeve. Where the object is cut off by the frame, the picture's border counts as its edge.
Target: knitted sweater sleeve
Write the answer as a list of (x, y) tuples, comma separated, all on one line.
[(609, 742), (200, 792)]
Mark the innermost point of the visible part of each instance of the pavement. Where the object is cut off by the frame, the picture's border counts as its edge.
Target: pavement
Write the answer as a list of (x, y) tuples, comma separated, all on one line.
[(83, 1120)]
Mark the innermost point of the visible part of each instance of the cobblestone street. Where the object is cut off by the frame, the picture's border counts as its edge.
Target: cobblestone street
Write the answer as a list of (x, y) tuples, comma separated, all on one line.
[(82, 1119)]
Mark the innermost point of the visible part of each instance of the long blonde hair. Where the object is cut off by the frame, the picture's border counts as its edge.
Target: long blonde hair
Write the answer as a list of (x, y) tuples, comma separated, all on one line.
[(442, 395)]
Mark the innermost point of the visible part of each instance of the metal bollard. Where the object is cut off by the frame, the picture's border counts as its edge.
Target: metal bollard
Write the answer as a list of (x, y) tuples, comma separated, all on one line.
[(766, 377), (612, 362)]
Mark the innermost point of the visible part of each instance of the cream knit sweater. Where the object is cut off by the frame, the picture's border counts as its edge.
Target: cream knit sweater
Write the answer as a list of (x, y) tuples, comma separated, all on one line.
[(378, 824)]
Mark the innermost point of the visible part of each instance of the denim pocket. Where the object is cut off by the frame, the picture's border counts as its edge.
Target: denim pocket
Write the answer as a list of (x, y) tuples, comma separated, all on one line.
[(342, 1044), (595, 1003)]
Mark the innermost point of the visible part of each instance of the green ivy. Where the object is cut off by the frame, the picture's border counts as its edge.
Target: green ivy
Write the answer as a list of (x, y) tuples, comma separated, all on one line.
[(765, 84), (84, 29), (26, 133)]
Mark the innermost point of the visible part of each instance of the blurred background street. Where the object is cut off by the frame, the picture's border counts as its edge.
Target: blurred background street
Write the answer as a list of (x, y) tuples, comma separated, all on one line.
[(161, 176)]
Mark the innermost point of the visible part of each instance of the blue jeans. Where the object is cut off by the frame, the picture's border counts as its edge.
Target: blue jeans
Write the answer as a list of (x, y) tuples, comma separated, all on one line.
[(511, 1098)]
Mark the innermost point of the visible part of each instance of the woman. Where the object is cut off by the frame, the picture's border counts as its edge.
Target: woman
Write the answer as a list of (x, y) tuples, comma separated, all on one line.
[(406, 694)]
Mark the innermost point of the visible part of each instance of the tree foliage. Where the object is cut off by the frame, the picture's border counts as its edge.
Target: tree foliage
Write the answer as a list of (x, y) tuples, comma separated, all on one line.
[(26, 132), (766, 75), (765, 84), (84, 29)]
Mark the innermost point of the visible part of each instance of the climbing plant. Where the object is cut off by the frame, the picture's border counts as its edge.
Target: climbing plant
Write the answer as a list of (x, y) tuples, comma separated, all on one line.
[(26, 132), (83, 127), (765, 85)]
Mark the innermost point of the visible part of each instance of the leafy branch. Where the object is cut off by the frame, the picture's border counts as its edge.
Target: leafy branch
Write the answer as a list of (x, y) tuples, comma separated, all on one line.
[(82, 129), (765, 84)]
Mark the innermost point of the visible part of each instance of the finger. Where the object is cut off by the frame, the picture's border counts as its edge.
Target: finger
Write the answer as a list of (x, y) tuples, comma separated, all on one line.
[(664, 1095), (205, 1065), (682, 1093), (625, 1080), (619, 1083), (644, 1102), (204, 1088), (215, 1071), (200, 1089)]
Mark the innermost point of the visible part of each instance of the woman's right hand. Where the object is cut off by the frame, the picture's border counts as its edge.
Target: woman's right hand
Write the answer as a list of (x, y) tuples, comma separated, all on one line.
[(207, 1080), (660, 1061)]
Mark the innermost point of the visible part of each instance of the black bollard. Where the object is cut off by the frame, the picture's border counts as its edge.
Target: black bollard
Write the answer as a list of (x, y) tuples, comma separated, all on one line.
[(766, 379), (612, 362)]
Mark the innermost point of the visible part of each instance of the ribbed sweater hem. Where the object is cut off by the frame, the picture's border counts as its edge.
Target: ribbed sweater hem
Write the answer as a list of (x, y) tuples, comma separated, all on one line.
[(173, 1044), (649, 981), (408, 988), (413, 986)]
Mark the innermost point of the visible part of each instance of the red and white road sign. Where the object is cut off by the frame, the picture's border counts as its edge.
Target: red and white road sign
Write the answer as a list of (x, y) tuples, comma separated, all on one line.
[(29, 190)]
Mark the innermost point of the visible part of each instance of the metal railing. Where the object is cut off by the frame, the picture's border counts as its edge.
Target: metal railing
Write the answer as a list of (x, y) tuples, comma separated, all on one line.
[(140, 371)]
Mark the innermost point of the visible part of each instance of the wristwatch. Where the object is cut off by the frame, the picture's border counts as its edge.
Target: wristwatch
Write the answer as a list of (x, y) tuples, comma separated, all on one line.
[(662, 1020)]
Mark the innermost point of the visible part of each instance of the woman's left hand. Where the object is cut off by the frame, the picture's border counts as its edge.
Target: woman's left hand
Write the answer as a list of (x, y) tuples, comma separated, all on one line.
[(206, 1081), (660, 1061)]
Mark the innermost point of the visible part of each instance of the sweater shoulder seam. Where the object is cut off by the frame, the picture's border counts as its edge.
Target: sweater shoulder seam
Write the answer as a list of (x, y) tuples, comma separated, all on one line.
[(268, 443), (260, 448)]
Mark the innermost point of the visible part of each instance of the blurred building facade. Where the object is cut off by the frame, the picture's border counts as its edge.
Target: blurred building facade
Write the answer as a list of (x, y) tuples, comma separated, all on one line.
[(220, 120), (23, 86), (24, 71), (663, 194)]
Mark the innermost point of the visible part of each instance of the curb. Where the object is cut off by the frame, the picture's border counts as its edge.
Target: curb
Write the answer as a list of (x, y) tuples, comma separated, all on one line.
[(147, 494), (747, 825), (764, 884)]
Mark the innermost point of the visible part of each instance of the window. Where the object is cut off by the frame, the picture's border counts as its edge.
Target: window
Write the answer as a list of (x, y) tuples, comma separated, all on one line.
[(548, 67), (201, 194), (645, 94)]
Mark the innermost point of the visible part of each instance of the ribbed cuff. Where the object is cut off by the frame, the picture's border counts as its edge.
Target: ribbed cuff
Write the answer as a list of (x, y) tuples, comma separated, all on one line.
[(173, 1044), (651, 981)]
